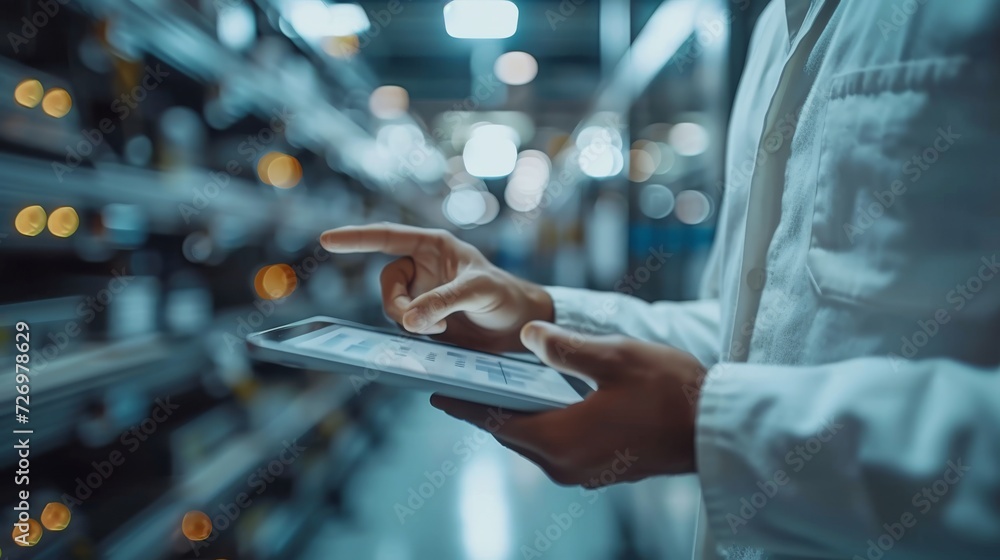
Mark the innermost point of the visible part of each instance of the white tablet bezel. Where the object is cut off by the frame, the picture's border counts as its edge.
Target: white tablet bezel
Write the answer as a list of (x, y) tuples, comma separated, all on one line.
[(273, 345)]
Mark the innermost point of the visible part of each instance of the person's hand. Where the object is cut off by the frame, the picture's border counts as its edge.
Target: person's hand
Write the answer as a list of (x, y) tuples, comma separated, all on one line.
[(445, 287), (640, 421)]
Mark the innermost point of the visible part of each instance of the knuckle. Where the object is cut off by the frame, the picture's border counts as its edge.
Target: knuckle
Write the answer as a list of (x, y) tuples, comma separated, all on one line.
[(435, 304), (441, 237), (449, 293), (614, 350)]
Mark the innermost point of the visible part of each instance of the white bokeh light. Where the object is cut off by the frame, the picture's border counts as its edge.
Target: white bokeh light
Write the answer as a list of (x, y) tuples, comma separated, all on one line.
[(236, 26), (480, 19), (464, 206), (315, 19), (656, 201), (688, 139), (516, 68), (601, 162), (491, 151), (527, 183)]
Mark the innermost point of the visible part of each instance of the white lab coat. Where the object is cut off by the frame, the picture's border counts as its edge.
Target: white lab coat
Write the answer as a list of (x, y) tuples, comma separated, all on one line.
[(851, 309)]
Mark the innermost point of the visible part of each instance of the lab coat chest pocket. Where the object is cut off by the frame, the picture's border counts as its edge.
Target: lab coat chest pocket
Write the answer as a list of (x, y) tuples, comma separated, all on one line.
[(906, 204)]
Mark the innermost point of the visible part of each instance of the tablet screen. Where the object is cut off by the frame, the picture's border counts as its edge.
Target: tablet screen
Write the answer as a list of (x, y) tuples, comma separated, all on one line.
[(381, 351)]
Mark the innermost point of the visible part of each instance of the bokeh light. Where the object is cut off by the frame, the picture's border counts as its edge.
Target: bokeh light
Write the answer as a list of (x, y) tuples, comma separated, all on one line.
[(667, 158), (600, 151), (196, 526), (29, 538), (641, 166), (276, 281), (656, 201), (63, 222), (480, 19), (527, 183), (236, 25), (693, 207), (57, 103), (492, 209), (29, 93), (601, 162), (491, 151), (197, 247), (389, 102), (464, 206), (30, 221), (55, 516), (279, 170), (342, 47), (515, 68), (688, 139), (347, 20)]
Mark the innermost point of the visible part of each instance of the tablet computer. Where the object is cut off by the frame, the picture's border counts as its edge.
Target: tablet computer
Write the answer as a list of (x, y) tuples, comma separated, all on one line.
[(368, 354)]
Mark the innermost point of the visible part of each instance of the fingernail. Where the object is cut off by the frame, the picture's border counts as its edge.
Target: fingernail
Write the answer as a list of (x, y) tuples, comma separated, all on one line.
[(436, 328), (416, 320)]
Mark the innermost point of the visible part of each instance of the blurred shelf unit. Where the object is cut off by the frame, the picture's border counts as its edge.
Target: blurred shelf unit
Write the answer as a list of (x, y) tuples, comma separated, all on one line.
[(170, 202), (149, 530), (183, 37)]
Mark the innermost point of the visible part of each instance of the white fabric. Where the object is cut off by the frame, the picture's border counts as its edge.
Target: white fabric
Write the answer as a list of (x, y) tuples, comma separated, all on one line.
[(853, 300)]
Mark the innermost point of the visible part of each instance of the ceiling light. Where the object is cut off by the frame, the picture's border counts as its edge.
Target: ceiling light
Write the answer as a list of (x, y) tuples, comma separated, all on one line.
[(314, 19), (480, 19)]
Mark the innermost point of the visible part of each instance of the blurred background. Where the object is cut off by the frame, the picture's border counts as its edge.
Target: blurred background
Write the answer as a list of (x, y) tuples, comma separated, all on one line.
[(167, 167)]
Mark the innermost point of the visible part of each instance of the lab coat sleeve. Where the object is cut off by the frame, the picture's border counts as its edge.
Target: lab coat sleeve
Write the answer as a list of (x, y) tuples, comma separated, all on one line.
[(692, 326), (861, 457)]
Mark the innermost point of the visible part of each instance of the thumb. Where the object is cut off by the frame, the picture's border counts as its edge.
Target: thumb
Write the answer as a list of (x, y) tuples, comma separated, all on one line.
[(465, 293), (575, 353)]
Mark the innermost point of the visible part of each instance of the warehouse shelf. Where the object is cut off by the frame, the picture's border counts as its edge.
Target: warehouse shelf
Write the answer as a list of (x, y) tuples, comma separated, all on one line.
[(176, 33), (146, 534)]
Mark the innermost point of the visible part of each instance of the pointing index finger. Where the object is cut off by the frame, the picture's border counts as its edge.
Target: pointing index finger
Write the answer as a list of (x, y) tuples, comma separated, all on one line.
[(392, 239)]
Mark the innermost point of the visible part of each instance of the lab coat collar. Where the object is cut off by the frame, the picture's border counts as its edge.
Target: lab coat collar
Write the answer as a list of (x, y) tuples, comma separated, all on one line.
[(799, 16)]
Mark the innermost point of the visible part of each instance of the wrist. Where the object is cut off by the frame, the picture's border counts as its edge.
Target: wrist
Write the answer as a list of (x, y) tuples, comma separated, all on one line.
[(693, 393)]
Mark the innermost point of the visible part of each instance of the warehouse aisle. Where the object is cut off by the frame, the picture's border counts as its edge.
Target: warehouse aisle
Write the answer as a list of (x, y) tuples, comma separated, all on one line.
[(438, 488)]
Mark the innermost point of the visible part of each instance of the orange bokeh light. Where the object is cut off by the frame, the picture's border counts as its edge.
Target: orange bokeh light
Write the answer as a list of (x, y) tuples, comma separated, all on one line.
[(29, 93), (279, 170), (57, 103), (196, 526), (31, 538), (275, 281), (55, 516)]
